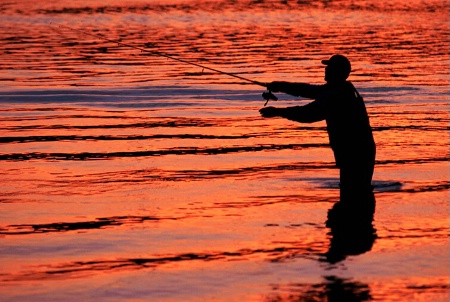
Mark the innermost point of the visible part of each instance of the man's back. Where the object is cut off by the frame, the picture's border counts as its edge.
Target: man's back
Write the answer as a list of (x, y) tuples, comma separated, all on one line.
[(348, 124)]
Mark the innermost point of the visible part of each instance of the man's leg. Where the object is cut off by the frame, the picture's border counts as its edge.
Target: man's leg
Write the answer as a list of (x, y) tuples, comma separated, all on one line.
[(356, 182)]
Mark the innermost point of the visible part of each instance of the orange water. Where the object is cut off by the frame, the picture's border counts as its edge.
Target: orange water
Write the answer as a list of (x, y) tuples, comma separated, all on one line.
[(131, 177)]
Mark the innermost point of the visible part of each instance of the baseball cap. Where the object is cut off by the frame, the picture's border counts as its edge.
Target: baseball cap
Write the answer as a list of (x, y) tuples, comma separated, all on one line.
[(340, 62)]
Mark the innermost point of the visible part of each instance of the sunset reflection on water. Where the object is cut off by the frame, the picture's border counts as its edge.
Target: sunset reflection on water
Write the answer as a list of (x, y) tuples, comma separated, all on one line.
[(129, 176)]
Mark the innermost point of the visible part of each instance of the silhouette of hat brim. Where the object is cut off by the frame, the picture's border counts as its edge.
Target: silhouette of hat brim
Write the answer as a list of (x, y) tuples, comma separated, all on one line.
[(339, 61)]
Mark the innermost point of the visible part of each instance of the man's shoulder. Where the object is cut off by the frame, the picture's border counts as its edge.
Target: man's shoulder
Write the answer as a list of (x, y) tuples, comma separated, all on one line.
[(340, 85), (345, 88)]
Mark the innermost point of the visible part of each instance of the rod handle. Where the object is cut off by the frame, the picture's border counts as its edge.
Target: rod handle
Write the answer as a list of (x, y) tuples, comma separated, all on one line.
[(268, 95)]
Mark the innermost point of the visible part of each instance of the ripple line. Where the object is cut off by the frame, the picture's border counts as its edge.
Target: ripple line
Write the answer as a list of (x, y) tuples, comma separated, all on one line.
[(98, 223), (305, 250), (171, 123), (179, 151), (56, 138)]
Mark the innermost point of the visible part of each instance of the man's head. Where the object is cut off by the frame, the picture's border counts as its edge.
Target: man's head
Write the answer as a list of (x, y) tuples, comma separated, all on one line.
[(338, 68)]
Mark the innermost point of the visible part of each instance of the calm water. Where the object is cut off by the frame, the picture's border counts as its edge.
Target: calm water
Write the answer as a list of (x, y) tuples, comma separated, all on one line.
[(130, 177)]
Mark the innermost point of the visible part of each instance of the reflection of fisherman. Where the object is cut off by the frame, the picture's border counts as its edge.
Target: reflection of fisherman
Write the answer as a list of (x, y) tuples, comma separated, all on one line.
[(348, 125)]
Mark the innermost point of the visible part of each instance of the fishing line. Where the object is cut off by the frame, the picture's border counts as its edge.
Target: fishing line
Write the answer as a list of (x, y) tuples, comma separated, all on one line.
[(266, 95)]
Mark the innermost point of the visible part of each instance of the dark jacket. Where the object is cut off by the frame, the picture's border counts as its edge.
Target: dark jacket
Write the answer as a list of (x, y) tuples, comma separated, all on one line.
[(347, 121)]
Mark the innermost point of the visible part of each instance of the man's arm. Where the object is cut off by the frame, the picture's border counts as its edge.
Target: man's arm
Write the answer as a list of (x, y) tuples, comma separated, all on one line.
[(296, 89), (310, 113)]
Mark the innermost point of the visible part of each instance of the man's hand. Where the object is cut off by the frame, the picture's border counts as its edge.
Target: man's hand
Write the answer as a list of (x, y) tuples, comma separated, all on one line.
[(276, 86), (269, 111)]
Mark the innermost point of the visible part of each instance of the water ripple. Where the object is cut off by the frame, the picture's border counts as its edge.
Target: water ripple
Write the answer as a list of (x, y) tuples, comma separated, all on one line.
[(56, 138), (99, 223), (179, 151), (307, 250)]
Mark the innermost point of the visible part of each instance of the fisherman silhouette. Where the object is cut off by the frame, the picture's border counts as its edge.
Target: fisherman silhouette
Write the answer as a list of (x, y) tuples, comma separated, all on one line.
[(350, 135)]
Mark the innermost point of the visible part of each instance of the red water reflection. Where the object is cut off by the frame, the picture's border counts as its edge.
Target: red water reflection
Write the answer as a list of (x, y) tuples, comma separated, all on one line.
[(121, 167)]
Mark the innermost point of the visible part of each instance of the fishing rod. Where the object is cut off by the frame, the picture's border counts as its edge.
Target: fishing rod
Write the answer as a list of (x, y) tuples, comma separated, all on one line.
[(268, 95)]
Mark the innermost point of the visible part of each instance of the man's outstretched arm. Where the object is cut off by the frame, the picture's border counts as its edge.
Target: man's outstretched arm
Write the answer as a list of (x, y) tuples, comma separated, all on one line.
[(309, 113), (296, 89)]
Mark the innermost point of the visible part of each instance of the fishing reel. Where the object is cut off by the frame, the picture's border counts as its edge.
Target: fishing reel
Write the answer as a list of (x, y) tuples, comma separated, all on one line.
[(268, 95)]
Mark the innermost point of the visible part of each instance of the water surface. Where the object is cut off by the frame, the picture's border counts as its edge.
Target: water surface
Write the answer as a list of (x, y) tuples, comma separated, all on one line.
[(132, 177)]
